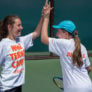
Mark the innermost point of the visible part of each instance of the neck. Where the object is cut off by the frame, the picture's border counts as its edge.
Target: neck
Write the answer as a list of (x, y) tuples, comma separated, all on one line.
[(70, 37), (11, 37)]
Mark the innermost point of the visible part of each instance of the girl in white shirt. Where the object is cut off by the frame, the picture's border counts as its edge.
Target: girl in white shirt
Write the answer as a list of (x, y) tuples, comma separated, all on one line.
[(73, 55), (12, 52)]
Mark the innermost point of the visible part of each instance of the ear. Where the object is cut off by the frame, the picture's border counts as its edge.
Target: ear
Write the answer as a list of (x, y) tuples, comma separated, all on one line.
[(9, 27), (67, 35)]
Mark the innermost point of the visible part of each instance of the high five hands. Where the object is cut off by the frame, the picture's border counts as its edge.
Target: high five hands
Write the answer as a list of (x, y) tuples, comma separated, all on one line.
[(46, 9)]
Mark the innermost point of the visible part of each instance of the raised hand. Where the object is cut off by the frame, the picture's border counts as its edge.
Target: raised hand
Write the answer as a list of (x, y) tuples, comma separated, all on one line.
[(46, 9)]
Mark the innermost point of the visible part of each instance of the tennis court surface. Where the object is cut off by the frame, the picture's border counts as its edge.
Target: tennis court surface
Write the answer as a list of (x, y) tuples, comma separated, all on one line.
[(39, 74)]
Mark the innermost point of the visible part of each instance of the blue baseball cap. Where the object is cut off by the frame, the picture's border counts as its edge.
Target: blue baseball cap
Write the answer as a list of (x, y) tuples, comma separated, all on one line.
[(67, 25)]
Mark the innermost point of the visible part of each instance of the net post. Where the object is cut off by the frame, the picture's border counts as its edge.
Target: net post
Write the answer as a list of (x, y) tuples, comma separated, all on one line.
[(51, 21)]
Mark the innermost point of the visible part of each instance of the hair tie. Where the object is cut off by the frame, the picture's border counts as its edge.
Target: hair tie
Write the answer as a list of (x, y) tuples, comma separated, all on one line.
[(75, 33)]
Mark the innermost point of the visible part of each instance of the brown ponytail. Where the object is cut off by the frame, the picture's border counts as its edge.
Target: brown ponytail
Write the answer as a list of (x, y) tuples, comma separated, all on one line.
[(77, 56)]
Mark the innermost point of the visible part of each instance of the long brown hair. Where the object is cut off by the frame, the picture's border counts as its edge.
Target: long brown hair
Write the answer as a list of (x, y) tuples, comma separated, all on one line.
[(77, 56), (4, 25)]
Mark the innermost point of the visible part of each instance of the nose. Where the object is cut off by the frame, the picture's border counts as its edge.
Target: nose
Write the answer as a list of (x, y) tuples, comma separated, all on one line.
[(21, 27)]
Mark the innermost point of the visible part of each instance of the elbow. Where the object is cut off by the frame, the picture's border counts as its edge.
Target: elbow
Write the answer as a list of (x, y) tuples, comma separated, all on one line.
[(42, 41), (89, 69), (37, 34), (45, 41)]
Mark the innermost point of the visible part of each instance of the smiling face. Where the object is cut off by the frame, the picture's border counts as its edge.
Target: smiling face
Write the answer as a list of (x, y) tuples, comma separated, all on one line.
[(15, 29)]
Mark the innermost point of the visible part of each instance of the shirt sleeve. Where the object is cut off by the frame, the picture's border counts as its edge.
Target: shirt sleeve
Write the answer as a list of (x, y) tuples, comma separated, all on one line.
[(54, 46), (87, 63), (85, 55), (1, 54), (27, 41)]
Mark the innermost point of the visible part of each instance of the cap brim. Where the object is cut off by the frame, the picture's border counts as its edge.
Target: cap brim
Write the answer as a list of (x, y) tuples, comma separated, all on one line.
[(56, 26)]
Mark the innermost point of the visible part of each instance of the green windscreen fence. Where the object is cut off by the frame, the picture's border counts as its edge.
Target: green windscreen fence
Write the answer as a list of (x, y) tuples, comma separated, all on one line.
[(79, 11)]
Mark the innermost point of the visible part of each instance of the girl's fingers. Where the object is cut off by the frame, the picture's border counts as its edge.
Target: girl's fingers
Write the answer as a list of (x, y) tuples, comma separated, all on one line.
[(46, 3), (51, 8), (47, 8)]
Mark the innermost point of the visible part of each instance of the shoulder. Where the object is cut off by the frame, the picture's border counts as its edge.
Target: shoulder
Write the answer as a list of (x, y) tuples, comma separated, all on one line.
[(2, 45), (61, 41), (65, 43), (5, 42), (25, 37), (83, 47), (2, 42)]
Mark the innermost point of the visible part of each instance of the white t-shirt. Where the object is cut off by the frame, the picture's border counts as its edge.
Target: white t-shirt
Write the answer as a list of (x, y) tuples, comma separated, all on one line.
[(12, 60), (74, 79)]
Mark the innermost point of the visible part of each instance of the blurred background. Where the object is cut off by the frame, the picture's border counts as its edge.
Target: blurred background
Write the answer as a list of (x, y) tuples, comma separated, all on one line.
[(79, 11)]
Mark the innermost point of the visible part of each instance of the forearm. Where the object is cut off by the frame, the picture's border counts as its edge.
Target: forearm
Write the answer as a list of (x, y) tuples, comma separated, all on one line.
[(37, 31), (46, 14), (44, 33)]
